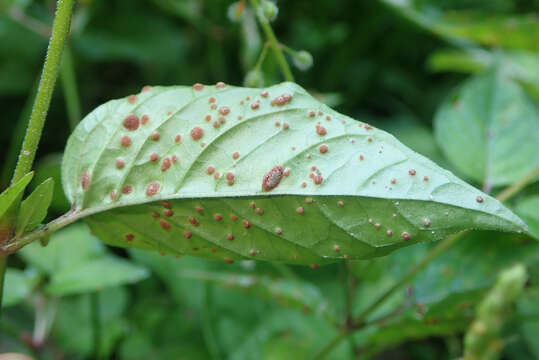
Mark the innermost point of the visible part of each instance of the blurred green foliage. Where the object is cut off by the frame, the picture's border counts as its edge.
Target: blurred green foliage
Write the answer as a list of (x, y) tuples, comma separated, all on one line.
[(393, 63)]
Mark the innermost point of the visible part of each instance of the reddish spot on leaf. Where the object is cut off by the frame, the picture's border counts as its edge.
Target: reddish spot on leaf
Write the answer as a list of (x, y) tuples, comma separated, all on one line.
[(479, 199), (389, 232), (300, 210), (132, 99), (210, 170), (272, 178), (264, 94), (131, 122), (165, 225), (255, 105), (187, 234), (119, 163), (336, 248), (323, 149), (126, 141), (224, 110), (166, 204), (144, 119), (165, 165), (320, 130), (146, 88), (318, 179), (229, 261), (152, 188), (233, 217), (178, 138), (155, 136), (129, 237), (154, 157), (311, 113), (230, 178), (236, 155), (405, 236), (196, 133), (412, 172), (198, 87), (230, 237), (168, 212), (246, 224), (220, 85), (155, 214), (85, 180), (281, 99), (127, 189), (218, 217), (193, 221)]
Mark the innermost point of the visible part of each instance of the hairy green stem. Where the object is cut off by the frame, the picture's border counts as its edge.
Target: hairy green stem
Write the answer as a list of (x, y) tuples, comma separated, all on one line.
[(69, 86), (274, 44), (60, 30), (361, 321)]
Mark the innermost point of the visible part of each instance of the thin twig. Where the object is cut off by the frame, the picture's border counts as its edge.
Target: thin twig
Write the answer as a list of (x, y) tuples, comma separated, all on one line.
[(274, 44)]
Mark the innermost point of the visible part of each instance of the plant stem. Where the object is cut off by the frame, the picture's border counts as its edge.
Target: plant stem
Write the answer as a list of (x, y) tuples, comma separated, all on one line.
[(274, 44), (69, 86), (508, 192), (60, 29)]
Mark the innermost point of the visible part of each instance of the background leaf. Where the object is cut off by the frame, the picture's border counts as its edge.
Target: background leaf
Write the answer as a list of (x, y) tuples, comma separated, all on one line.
[(77, 263), (487, 129)]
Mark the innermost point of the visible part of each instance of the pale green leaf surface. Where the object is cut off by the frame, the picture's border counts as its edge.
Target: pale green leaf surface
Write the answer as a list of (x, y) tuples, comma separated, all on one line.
[(34, 208), (373, 194), (489, 130)]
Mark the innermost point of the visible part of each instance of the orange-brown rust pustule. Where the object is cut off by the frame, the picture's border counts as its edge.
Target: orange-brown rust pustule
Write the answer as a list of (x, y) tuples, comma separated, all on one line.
[(272, 178)]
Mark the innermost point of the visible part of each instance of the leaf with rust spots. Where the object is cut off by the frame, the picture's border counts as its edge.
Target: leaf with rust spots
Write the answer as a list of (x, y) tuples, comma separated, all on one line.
[(365, 197)]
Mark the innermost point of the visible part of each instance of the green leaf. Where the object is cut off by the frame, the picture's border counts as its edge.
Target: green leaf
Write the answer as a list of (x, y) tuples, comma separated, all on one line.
[(367, 196), (511, 31), (9, 201), (77, 263), (19, 285), (528, 309), (34, 208), (73, 327), (287, 292), (519, 66), (528, 209), (50, 167), (488, 129), (441, 299), (95, 275)]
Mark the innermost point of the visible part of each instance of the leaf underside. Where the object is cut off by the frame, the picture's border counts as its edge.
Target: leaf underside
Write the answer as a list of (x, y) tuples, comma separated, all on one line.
[(197, 172)]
